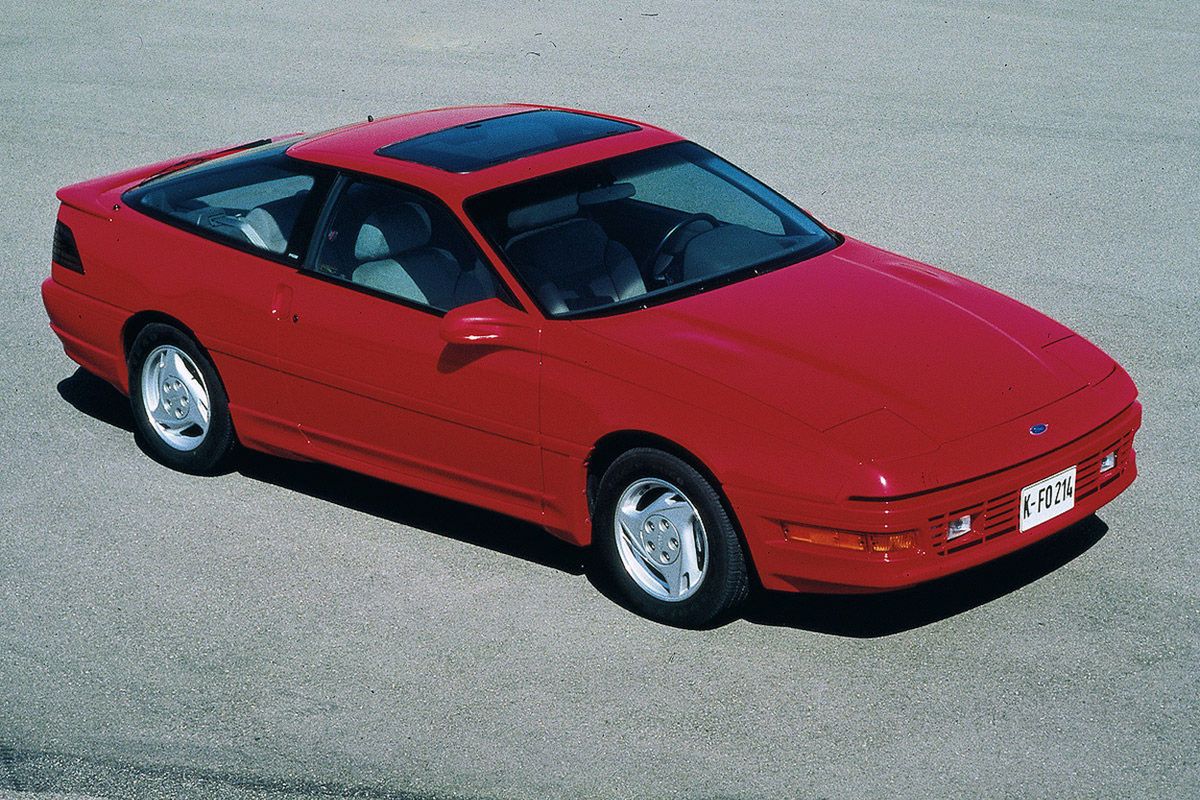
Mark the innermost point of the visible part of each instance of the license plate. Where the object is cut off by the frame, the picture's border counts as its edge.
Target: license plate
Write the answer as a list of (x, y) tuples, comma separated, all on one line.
[(1047, 498)]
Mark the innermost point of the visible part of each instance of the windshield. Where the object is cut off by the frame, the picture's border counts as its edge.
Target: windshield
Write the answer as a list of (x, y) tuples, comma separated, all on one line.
[(641, 228)]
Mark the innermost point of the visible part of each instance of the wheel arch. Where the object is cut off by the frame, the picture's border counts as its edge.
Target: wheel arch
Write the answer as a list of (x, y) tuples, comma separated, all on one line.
[(211, 453), (134, 325), (611, 446), (137, 322)]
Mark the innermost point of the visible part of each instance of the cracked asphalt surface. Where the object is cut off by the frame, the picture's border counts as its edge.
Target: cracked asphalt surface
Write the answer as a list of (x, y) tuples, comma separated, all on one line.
[(291, 631)]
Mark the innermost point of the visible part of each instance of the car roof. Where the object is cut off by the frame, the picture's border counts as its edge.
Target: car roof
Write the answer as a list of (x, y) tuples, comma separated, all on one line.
[(356, 148)]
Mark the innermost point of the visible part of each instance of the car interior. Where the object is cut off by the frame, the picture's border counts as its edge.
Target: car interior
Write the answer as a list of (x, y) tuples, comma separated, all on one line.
[(645, 223), (260, 210), (379, 237), (402, 244), (584, 239), (601, 268), (603, 246)]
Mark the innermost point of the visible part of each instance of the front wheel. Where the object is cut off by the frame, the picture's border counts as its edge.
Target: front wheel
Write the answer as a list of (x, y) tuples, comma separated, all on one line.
[(664, 536), (179, 405)]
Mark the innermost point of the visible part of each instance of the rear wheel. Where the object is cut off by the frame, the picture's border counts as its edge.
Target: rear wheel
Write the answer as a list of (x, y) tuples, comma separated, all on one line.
[(664, 536), (179, 405)]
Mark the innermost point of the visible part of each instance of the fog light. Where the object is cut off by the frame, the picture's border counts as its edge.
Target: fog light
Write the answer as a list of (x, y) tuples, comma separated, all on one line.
[(1108, 462), (958, 527)]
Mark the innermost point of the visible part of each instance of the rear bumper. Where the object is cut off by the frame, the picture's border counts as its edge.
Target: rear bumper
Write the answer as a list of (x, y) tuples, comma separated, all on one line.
[(90, 331), (788, 565)]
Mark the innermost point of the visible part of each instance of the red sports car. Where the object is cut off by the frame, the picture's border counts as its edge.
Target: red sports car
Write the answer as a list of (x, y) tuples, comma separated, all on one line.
[(597, 326)]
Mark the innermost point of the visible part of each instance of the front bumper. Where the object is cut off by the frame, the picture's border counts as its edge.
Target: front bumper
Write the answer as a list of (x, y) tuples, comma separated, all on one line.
[(788, 565)]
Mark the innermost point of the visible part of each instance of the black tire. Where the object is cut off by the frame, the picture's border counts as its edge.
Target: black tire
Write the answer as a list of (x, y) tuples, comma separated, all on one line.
[(724, 585), (217, 443)]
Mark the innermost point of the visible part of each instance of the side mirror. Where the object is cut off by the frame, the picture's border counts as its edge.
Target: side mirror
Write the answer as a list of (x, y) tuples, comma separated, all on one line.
[(490, 323)]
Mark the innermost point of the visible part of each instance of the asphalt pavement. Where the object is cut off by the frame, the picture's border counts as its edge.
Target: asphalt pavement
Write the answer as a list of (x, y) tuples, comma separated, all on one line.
[(292, 631)]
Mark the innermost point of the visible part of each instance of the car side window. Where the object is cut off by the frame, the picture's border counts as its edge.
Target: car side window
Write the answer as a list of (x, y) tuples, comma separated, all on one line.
[(254, 200), (403, 244)]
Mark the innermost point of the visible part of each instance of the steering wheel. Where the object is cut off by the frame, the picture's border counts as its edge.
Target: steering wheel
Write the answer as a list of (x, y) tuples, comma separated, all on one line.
[(661, 271)]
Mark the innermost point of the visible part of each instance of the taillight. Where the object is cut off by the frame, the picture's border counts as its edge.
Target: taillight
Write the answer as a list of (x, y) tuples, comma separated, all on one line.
[(66, 253)]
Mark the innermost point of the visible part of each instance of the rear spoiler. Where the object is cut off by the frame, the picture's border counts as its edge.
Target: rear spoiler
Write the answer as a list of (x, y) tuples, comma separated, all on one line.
[(98, 196)]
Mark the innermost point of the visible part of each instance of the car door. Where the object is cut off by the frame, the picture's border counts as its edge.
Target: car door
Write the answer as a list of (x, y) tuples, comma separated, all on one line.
[(367, 375)]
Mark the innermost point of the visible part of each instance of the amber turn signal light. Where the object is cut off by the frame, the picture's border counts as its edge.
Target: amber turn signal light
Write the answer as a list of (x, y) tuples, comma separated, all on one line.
[(851, 540), (891, 542)]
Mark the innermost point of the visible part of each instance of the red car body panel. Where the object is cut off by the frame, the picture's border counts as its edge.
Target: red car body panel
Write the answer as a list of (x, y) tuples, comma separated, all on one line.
[(858, 390)]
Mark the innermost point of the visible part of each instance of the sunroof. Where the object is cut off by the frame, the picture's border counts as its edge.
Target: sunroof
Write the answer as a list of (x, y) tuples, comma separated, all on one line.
[(476, 145)]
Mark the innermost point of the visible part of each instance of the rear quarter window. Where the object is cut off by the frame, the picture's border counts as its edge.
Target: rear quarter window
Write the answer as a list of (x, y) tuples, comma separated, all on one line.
[(255, 200)]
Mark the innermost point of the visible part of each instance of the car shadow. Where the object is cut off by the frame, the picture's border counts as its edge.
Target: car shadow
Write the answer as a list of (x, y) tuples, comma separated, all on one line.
[(856, 616), (387, 501), (96, 398)]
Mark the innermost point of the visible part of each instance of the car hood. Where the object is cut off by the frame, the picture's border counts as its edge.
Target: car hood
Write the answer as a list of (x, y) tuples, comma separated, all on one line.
[(864, 342)]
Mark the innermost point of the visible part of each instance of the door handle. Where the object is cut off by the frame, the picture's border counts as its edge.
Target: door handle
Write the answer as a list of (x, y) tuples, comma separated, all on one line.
[(281, 303)]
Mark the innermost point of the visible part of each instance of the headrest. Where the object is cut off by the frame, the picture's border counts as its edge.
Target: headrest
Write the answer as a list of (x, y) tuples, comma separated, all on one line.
[(546, 212), (392, 230)]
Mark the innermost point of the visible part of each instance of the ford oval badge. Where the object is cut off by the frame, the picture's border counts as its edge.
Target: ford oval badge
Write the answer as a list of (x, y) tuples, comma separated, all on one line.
[(1038, 429)]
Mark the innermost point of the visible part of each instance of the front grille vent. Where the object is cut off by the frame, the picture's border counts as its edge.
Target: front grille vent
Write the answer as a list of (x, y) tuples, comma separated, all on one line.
[(66, 253), (990, 520), (998, 516)]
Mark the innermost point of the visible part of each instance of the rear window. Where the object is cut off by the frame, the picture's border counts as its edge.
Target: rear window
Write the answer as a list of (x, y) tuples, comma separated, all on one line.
[(476, 145)]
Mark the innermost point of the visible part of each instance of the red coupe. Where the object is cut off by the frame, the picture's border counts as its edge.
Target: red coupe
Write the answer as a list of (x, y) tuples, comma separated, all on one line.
[(597, 326)]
